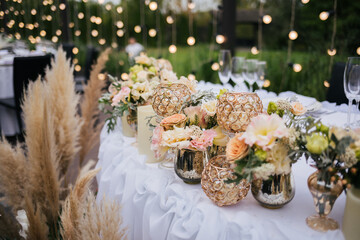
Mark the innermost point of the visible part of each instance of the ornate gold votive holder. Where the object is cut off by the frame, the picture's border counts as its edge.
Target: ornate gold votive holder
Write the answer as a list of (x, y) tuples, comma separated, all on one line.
[(216, 172), (169, 98), (235, 110)]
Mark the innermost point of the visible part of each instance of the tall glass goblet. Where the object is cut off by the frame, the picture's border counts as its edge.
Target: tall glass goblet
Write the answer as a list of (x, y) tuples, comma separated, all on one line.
[(261, 71), (250, 72), (225, 66), (351, 83), (237, 70)]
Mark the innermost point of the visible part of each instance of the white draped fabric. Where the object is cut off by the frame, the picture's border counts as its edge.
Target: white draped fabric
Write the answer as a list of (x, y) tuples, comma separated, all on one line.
[(158, 205)]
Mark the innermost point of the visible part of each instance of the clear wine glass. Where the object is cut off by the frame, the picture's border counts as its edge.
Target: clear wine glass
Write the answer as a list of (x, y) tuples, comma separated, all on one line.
[(352, 83), (261, 70), (250, 72), (225, 66), (237, 70)]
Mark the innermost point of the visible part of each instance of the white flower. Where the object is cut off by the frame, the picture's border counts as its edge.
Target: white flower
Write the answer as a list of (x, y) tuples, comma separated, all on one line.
[(153, 84), (349, 158), (164, 64), (209, 107), (168, 76), (278, 156), (141, 89), (142, 76), (264, 171), (21, 217), (191, 84), (179, 137), (143, 59)]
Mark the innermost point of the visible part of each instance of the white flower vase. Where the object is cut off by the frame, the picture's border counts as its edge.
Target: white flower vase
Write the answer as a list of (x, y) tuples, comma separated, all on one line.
[(351, 219)]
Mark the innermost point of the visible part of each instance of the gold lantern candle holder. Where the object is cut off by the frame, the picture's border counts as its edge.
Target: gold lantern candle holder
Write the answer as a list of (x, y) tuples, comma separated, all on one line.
[(235, 110), (169, 98), (213, 182)]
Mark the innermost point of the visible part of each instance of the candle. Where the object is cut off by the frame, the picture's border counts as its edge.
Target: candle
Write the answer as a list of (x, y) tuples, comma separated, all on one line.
[(126, 129), (144, 131)]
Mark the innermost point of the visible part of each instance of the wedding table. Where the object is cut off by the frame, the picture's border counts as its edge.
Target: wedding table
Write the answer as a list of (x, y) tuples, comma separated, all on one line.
[(156, 204)]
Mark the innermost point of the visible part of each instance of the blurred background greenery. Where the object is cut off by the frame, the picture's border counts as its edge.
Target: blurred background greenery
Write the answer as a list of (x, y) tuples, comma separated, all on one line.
[(309, 49)]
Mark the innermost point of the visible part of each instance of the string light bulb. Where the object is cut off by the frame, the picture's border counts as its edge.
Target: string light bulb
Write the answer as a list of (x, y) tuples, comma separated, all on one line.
[(297, 67), (62, 6), (326, 84), (215, 66), (191, 77), (169, 20), (98, 20), (358, 51), (254, 50), (43, 33), (119, 24), (119, 10), (266, 83), (75, 50), (58, 32), (324, 16), (53, 8), (153, 6), (49, 18), (77, 33), (78, 68), (108, 6), (93, 19), (94, 33), (191, 41), (81, 15), (220, 39), (191, 5), (293, 35), (71, 25), (172, 48), (267, 19), (114, 45), (137, 29), (36, 24), (152, 32), (101, 76), (331, 52), (120, 33), (102, 41), (54, 39), (21, 24), (124, 76), (305, 1), (101, 1), (33, 12)]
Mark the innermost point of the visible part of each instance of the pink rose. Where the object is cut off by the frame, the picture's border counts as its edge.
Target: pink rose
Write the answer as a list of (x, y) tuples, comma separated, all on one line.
[(156, 140), (206, 140), (196, 115), (120, 96)]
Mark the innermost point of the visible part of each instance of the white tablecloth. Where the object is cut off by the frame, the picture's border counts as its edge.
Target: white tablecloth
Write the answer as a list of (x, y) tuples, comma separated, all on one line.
[(158, 205)]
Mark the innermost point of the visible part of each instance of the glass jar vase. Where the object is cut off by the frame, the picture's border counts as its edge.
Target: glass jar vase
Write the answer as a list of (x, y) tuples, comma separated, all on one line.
[(189, 165)]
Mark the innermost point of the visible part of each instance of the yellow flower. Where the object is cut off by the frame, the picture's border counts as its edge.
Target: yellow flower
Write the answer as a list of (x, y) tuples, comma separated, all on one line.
[(221, 139), (316, 143), (236, 149)]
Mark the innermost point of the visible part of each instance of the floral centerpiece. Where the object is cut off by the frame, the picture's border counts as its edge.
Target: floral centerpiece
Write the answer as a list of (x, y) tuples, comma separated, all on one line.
[(125, 95), (264, 153)]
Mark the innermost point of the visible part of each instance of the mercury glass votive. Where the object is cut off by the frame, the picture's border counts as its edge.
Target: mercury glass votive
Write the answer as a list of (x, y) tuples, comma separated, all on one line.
[(213, 182), (169, 98), (235, 110)]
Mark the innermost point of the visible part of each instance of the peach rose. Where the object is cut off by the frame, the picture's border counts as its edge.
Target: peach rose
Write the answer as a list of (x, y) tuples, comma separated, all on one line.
[(177, 120), (236, 148), (297, 108)]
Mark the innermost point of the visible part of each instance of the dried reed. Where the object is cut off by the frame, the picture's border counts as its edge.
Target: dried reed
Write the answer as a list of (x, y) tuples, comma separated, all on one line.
[(37, 230), (90, 130), (43, 159), (13, 175), (63, 101), (71, 212)]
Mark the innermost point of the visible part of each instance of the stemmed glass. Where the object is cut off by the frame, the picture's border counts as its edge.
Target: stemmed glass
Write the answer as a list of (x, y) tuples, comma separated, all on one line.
[(352, 83), (250, 72), (261, 68), (225, 66), (237, 70)]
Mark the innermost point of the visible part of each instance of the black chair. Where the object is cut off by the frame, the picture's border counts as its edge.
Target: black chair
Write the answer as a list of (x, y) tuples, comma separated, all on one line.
[(336, 90), (68, 49), (91, 56), (26, 69)]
